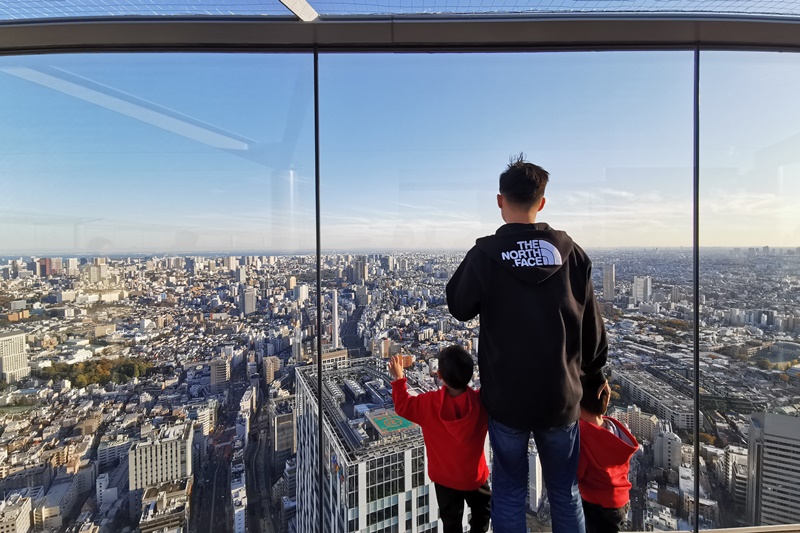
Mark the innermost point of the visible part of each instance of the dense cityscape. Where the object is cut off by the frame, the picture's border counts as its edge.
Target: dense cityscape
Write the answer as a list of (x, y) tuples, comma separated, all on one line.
[(179, 393)]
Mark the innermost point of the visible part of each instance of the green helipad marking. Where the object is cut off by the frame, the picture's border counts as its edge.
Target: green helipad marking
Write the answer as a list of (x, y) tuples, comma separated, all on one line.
[(389, 422)]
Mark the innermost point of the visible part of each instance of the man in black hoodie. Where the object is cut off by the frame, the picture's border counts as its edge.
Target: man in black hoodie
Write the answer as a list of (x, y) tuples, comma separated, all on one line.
[(540, 330)]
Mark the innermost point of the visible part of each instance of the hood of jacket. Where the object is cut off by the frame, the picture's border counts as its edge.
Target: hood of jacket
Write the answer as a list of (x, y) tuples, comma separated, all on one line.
[(463, 427), (531, 252), (605, 448)]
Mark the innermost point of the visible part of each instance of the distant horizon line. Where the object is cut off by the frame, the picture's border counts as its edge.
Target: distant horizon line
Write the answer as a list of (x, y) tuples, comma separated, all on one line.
[(282, 253)]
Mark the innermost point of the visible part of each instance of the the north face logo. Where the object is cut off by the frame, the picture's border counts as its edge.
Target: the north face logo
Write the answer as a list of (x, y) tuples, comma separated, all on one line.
[(533, 253)]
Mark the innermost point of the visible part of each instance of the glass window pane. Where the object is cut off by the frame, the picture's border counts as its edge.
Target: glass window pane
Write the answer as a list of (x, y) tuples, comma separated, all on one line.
[(157, 237), (750, 259), (411, 149)]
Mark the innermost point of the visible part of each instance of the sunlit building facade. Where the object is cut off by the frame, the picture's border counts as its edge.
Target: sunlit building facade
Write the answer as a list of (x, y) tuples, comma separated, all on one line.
[(375, 476), (773, 481)]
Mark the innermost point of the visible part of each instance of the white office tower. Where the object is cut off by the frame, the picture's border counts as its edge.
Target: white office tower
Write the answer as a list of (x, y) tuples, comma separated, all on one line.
[(609, 281), (667, 448), (375, 477), (247, 301), (335, 319), (13, 357), (239, 498), (735, 472), (301, 292), (535, 479), (72, 266), (773, 468), (642, 289), (15, 514), (163, 454)]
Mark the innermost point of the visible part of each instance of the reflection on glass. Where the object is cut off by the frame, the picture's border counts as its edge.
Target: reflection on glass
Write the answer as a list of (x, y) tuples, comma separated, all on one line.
[(156, 285), (411, 149), (750, 260)]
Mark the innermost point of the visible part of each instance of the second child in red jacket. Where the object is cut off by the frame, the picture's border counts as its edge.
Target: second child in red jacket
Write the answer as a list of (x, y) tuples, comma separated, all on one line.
[(454, 426), (606, 450)]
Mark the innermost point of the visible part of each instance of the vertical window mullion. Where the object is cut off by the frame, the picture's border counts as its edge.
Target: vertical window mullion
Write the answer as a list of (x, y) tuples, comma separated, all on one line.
[(696, 283), (319, 288)]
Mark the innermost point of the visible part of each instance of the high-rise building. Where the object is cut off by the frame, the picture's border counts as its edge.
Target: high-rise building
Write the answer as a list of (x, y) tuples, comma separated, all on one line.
[(609, 281), (362, 296), (282, 431), (535, 478), (291, 283), (164, 454), (335, 319), (361, 270), (773, 469), (204, 414), (272, 365), (643, 288), (644, 426), (668, 452), (264, 288), (13, 357), (45, 267), (374, 461), (301, 292), (735, 471), (103, 491), (247, 301), (676, 295), (239, 498), (72, 266), (220, 374)]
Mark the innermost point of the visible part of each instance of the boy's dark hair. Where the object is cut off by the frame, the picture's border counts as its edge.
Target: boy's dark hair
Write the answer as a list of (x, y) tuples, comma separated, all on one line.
[(455, 366), (523, 183), (590, 402)]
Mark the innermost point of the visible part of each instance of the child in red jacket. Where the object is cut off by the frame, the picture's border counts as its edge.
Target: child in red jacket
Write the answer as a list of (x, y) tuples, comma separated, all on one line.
[(606, 450), (454, 426)]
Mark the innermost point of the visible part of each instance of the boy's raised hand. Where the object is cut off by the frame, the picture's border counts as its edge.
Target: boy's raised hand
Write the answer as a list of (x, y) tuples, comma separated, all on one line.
[(396, 367)]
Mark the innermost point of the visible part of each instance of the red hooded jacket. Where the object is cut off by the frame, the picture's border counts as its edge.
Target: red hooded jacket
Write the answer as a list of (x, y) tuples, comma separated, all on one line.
[(454, 430), (604, 464)]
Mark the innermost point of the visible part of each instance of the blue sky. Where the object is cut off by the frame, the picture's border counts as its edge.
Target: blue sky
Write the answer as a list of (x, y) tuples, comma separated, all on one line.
[(215, 152)]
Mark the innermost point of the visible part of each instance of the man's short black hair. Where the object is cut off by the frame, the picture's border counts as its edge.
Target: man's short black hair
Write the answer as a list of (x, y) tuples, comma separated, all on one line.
[(591, 386), (523, 183), (455, 366)]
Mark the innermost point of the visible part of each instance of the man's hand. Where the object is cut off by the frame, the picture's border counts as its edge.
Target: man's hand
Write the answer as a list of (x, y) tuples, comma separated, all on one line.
[(396, 367)]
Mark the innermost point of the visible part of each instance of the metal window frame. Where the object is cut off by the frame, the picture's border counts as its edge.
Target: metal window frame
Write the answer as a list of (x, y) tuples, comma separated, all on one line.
[(429, 33), (398, 33)]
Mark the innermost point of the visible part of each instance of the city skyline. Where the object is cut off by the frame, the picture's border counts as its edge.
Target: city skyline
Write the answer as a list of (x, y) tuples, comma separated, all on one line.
[(226, 343), (124, 254)]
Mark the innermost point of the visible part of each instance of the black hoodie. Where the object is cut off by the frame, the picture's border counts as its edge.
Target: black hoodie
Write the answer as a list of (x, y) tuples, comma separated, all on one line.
[(540, 323)]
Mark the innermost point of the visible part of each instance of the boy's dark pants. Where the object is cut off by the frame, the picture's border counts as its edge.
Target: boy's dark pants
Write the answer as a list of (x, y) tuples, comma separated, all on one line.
[(603, 519), (451, 508)]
